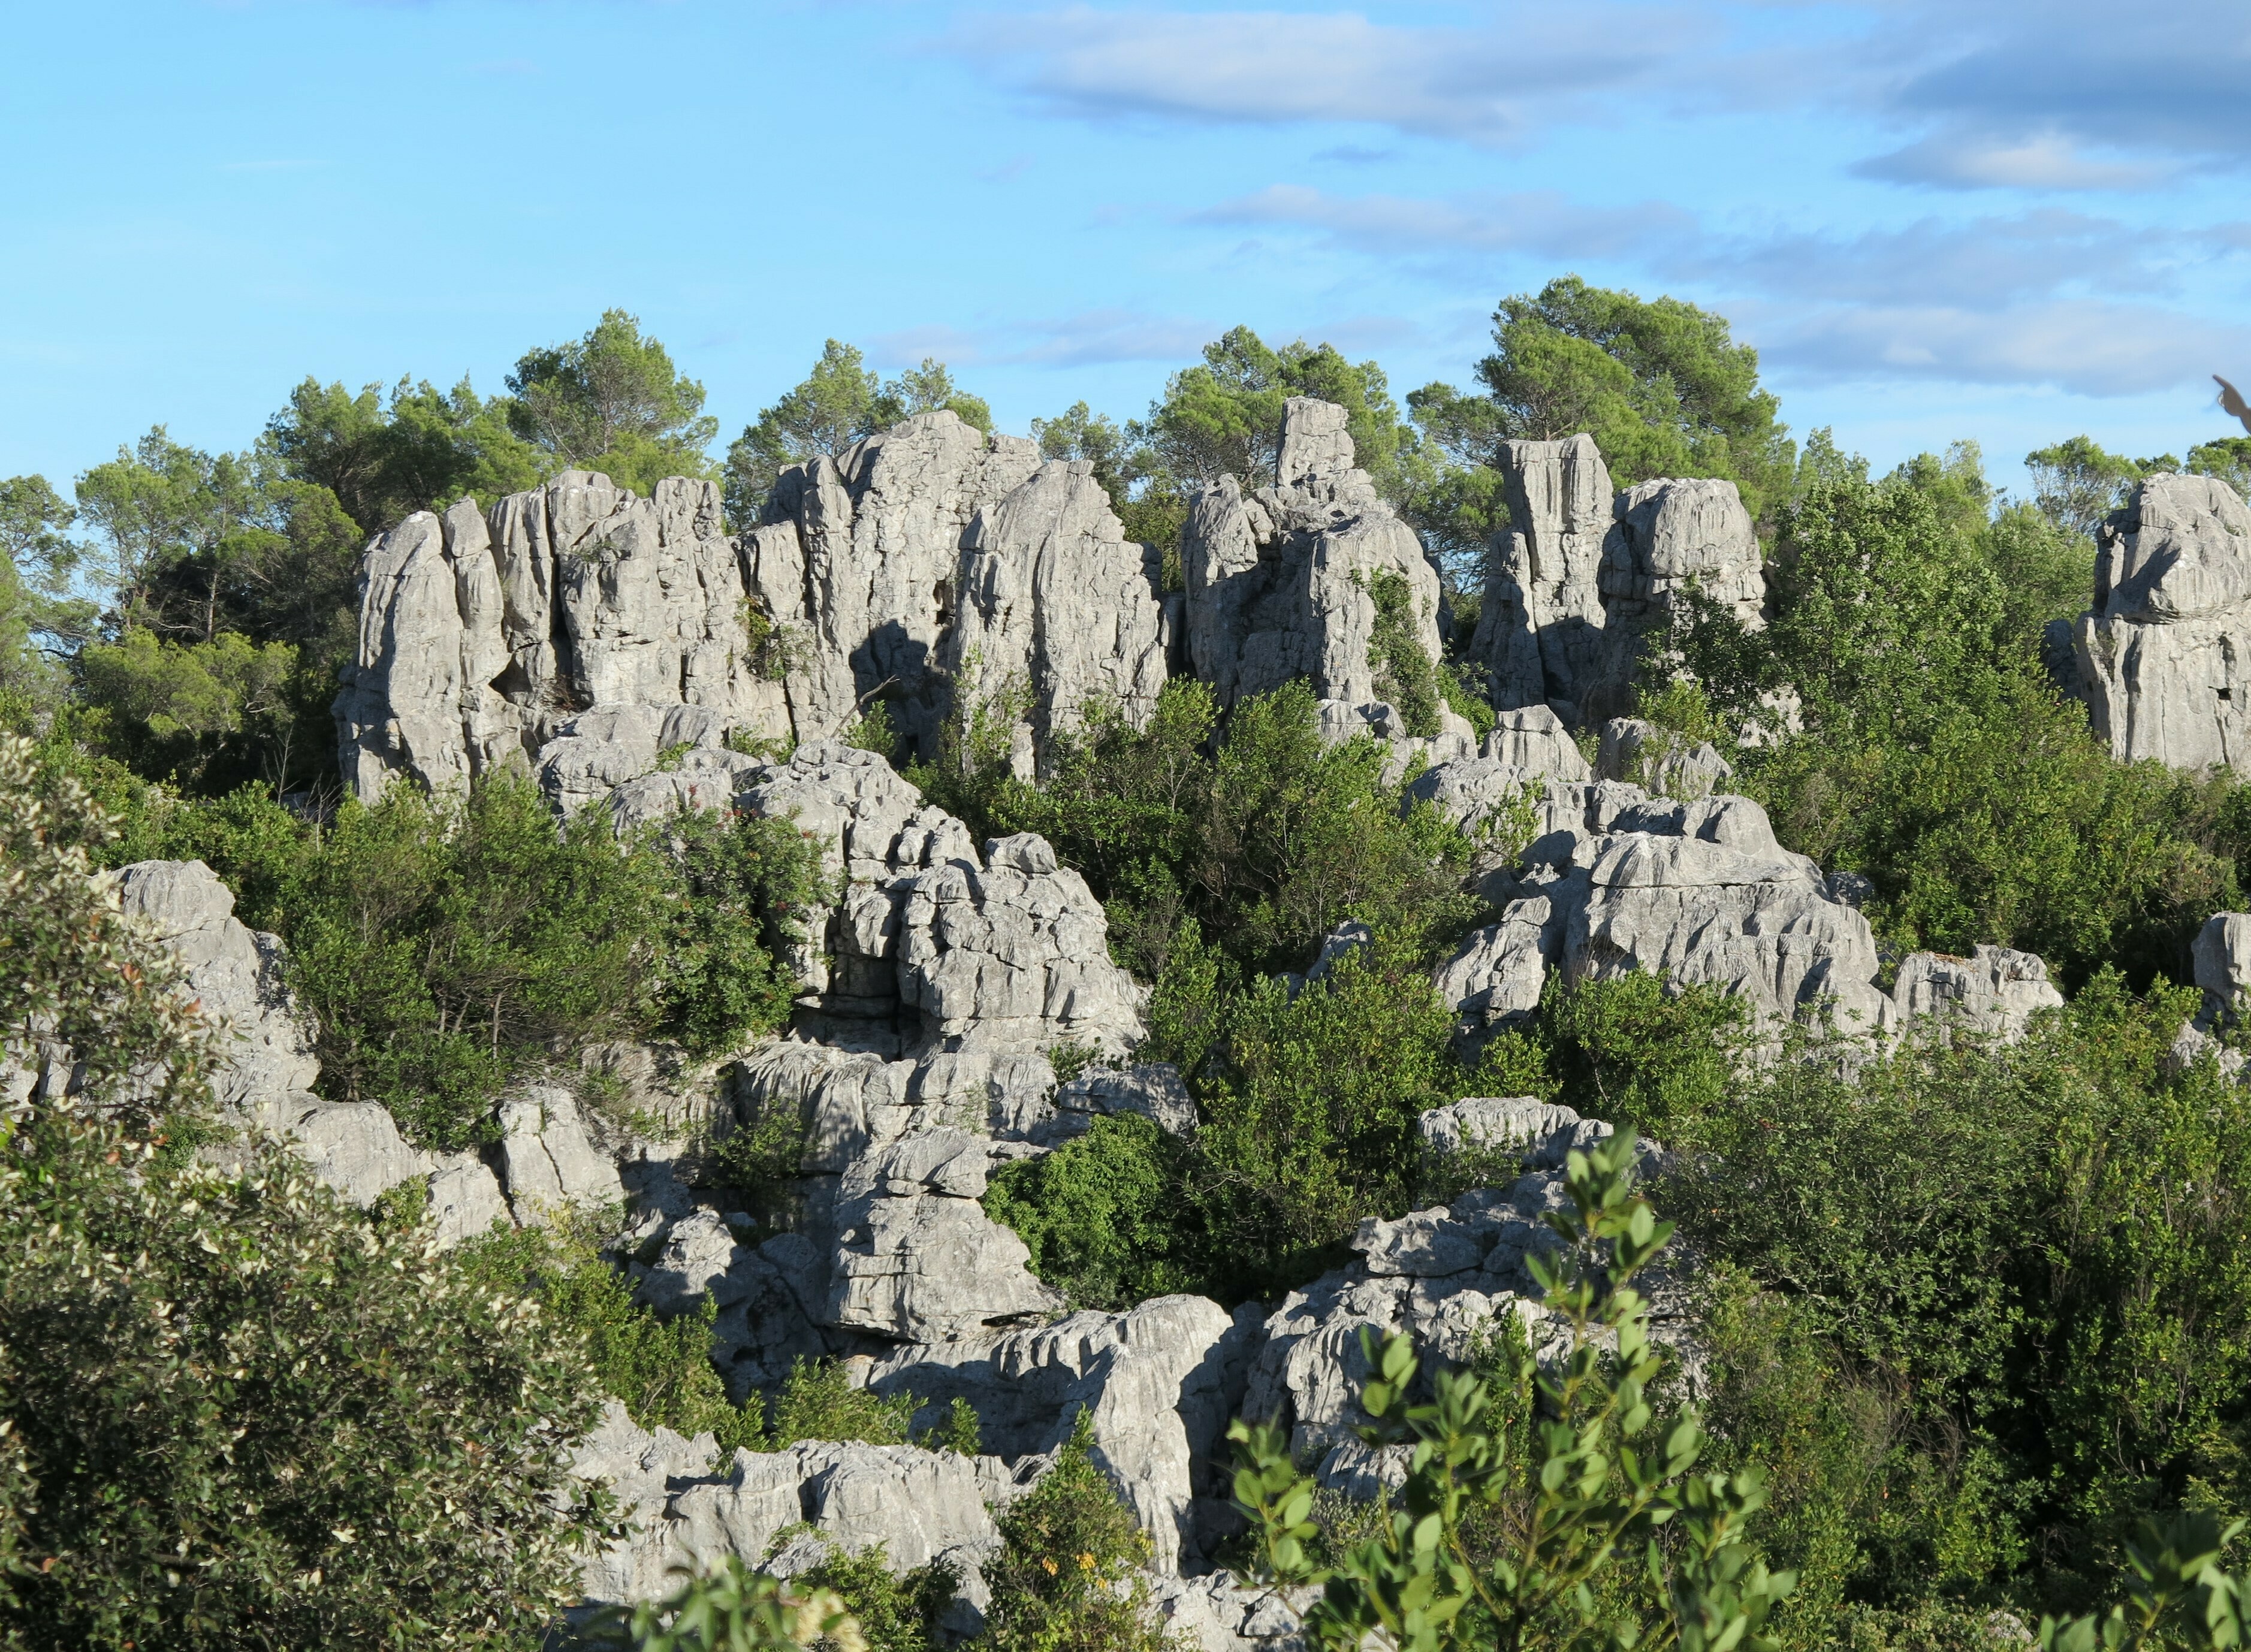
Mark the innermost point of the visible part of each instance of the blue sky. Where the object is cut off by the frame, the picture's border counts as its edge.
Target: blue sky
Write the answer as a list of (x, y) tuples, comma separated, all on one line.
[(2010, 221)]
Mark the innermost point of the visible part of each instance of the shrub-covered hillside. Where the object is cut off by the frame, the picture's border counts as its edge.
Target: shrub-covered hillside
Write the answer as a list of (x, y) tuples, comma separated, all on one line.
[(1246, 885)]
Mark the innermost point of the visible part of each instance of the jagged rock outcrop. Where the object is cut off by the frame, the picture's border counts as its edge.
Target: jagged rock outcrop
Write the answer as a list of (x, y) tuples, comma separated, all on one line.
[(1698, 891), (1159, 1382), (1583, 577), (938, 947), (2165, 654), (689, 1510), (859, 564), (1539, 631), (479, 634), (1993, 993), (1057, 612), (1659, 761), (1280, 580)]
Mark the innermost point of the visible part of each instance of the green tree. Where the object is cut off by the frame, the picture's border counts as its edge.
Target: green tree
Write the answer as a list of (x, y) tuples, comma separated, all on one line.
[(234, 1413), (840, 402), (39, 616), (1660, 384), (2077, 483), (154, 508), (1598, 1493), (613, 402), (180, 711), (420, 449), (2227, 457)]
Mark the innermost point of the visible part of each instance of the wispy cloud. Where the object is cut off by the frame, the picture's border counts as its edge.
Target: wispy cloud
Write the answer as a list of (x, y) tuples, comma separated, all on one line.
[(1959, 160), (1483, 85), (1087, 338), (1541, 221)]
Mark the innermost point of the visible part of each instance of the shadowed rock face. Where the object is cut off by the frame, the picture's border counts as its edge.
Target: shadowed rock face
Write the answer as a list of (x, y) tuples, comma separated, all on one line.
[(1278, 579), (2165, 654), (1584, 580)]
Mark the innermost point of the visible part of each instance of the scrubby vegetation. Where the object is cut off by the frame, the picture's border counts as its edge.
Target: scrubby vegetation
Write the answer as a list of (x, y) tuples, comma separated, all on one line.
[(1975, 1319)]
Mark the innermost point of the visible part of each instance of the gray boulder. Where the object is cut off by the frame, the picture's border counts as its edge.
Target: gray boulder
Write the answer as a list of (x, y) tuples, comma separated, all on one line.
[(548, 1163), (1698, 891), (1539, 631), (481, 634), (1278, 579), (1055, 611), (1541, 1133), (1671, 538), (1159, 1382), (689, 1511), (2221, 956), (1659, 761), (859, 564), (2162, 653), (1993, 993), (916, 1258), (1152, 1090), (1532, 739)]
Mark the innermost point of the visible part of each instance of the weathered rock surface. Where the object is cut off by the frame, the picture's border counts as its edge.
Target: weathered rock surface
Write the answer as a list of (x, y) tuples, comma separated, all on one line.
[(1539, 631), (1659, 761), (690, 1509), (1698, 891), (547, 1161), (481, 634), (860, 561), (1160, 1381), (1057, 613), (1993, 993), (1280, 579), (2165, 654), (1584, 579)]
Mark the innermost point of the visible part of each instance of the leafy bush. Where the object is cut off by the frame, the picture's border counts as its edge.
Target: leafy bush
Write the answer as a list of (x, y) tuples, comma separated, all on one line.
[(748, 883), (1102, 1215), (818, 1401), (661, 1368), (1499, 1539), (733, 1609), (895, 1614), (2035, 1250), (446, 943), (1068, 1570), (1268, 841), (1404, 674), (235, 1412)]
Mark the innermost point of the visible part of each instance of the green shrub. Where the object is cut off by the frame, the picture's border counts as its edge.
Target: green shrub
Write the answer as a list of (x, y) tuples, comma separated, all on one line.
[(234, 1411), (748, 883), (1102, 1215), (2036, 1250), (661, 1368), (1404, 674), (1069, 1571), (895, 1614), (1268, 840), (817, 1401), (1633, 1051), (1309, 1116)]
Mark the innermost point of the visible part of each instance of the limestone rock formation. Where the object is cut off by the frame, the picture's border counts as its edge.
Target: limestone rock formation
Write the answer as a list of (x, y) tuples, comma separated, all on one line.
[(1584, 579), (1993, 993), (689, 1510), (1056, 613), (1280, 580), (1659, 760), (2165, 655), (1699, 890), (859, 562), (1539, 632), (547, 1163), (481, 634)]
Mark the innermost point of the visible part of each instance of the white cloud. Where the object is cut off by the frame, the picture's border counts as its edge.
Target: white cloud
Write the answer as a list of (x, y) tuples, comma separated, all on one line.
[(1539, 221), (2041, 161), (1483, 85), (2084, 346), (1089, 337)]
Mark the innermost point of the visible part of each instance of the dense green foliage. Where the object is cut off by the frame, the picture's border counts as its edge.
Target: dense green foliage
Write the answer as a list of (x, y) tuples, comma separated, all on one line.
[(1985, 813), (447, 944), (840, 402), (612, 402), (1067, 1572), (1507, 1537), (1264, 836), (233, 1412)]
